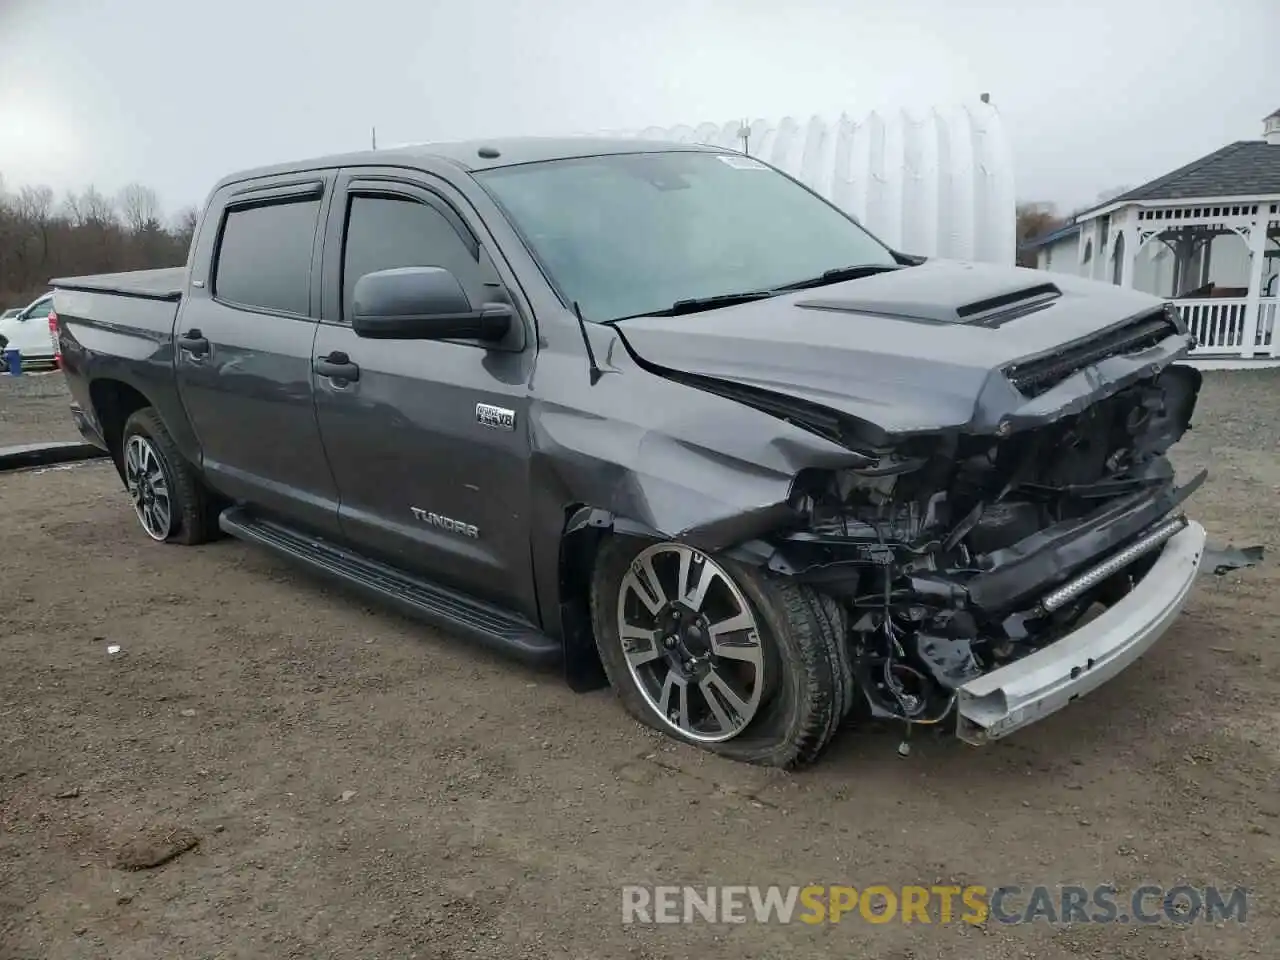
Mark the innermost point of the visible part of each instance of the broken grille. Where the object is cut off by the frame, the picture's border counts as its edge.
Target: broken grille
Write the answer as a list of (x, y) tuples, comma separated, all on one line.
[(1035, 377)]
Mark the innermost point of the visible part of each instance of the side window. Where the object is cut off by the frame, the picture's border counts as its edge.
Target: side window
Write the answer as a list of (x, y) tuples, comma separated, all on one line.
[(40, 308), (384, 233), (264, 258)]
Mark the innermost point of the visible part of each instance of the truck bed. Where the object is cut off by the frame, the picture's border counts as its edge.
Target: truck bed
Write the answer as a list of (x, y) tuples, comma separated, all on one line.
[(162, 284)]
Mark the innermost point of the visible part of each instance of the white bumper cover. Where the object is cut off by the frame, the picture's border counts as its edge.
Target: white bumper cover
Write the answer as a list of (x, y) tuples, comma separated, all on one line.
[(1007, 699)]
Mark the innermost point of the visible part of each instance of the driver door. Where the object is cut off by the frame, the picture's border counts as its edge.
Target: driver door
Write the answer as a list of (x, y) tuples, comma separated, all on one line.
[(405, 437)]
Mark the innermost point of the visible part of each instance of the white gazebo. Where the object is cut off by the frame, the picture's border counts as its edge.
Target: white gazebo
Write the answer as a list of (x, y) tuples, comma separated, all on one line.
[(1206, 236)]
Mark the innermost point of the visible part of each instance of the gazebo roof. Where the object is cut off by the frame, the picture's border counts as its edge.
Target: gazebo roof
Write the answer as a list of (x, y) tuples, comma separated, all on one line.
[(1241, 169)]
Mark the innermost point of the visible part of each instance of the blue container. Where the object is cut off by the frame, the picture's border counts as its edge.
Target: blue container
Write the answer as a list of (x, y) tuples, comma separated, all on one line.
[(13, 361)]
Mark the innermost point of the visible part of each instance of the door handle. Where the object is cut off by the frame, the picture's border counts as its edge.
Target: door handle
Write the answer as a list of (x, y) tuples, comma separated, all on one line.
[(194, 343), (337, 366)]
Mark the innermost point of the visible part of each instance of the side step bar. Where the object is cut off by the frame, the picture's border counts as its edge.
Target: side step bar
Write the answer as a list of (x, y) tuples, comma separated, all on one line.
[(421, 599)]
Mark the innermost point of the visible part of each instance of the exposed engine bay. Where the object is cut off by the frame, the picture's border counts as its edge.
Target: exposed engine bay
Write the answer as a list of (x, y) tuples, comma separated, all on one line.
[(945, 553)]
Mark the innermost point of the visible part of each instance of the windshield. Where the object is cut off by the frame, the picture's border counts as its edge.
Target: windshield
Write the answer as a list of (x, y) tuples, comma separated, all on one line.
[(634, 233)]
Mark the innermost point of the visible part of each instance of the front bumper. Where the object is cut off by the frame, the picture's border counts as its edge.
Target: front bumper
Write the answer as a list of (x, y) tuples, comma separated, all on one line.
[(1007, 699)]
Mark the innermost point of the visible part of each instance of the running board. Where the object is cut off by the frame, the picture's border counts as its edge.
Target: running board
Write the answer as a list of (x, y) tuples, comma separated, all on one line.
[(421, 599)]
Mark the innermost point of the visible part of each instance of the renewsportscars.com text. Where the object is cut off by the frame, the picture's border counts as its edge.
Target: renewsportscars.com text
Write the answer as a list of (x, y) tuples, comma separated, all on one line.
[(937, 904)]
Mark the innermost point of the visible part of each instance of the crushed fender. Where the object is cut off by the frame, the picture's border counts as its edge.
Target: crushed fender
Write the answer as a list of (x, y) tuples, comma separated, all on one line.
[(937, 515)]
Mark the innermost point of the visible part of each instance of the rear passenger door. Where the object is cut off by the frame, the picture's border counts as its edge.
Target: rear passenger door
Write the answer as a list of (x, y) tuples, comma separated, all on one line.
[(244, 340)]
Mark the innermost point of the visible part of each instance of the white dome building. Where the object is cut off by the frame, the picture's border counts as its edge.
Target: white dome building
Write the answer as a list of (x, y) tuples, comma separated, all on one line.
[(938, 183)]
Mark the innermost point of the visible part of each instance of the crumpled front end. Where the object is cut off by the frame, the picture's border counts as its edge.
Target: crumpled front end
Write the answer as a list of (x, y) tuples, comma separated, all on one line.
[(957, 557), (989, 506), (1028, 689)]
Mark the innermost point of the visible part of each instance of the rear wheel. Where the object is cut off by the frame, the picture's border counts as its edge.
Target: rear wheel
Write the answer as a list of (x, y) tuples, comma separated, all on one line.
[(168, 498), (719, 654)]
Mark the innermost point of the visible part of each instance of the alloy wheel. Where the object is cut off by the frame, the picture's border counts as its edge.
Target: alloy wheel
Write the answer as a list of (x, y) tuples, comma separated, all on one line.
[(148, 487), (691, 642)]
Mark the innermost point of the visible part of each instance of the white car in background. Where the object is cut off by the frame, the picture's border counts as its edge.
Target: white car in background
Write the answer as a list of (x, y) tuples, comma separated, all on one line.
[(29, 331)]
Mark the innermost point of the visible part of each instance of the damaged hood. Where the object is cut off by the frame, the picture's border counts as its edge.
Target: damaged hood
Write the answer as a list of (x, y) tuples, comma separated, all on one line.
[(920, 349)]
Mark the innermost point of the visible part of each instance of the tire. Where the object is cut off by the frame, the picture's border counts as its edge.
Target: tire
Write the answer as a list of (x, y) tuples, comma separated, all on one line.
[(807, 680), (192, 511)]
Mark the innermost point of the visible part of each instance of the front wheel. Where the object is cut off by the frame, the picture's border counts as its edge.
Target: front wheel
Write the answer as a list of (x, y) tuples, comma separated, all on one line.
[(720, 654), (168, 498)]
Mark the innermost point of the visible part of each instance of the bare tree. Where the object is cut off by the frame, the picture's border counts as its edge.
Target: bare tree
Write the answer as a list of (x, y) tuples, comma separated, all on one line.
[(34, 204), (40, 238), (185, 220), (73, 209), (1034, 220), (184, 225), (140, 207), (33, 208), (96, 208)]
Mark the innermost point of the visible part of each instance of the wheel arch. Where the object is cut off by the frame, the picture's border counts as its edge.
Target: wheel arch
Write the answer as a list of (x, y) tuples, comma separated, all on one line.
[(585, 528), (113, 402)]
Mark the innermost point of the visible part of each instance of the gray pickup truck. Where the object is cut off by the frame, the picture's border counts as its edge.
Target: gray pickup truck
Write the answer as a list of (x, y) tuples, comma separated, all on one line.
[(662, 416)]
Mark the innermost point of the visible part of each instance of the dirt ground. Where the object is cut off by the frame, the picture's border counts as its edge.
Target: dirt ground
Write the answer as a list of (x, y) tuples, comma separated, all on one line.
[(357, 785)]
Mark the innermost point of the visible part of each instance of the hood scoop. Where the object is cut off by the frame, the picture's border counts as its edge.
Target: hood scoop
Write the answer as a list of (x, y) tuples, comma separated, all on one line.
[(991, 311), (998, 310)]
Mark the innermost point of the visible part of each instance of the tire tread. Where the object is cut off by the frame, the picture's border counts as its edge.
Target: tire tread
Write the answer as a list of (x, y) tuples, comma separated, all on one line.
[(196, 511), (817, 652)]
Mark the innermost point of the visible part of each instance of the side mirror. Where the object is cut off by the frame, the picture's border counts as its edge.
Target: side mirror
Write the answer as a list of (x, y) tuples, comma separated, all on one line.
[(423, 303)]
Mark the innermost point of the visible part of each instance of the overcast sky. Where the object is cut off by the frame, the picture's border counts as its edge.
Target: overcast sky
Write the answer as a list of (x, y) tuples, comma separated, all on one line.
[(176, 93)]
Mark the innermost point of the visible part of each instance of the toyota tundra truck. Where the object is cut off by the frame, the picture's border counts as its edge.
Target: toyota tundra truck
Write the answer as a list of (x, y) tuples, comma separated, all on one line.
[(661, 416)]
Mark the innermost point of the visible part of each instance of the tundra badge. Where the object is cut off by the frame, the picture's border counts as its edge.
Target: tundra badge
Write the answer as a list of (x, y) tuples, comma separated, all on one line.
[(445, 523), (499, 418)]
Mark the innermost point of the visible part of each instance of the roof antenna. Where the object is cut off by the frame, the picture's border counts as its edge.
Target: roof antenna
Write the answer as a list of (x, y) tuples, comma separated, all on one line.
[(373, 136), (596, 372)]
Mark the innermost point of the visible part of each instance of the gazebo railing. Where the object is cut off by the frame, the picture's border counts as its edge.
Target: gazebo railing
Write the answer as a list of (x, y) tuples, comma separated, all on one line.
[(1220, 326)]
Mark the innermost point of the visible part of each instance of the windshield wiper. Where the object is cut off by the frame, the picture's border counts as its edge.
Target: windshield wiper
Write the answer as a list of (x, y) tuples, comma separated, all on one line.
[(698, 304), (840, 274)]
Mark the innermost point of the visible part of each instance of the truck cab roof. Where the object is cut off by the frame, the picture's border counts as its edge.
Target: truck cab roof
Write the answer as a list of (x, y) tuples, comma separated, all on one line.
[(470, 155)]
